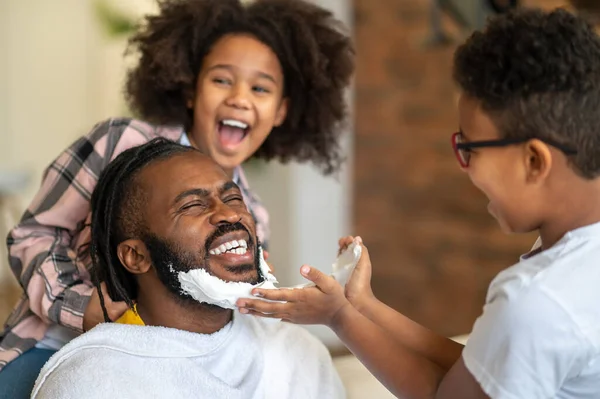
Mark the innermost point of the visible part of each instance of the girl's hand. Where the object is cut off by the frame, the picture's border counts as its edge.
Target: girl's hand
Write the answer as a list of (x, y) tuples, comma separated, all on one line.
[(358, 289), (93, 314), (313, 305)]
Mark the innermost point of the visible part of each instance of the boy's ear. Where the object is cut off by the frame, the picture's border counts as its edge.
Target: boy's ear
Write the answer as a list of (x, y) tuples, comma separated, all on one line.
[(537, 161), (134, 256)]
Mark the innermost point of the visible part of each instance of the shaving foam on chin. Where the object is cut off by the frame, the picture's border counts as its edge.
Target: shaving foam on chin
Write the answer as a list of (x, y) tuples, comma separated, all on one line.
[(205, 288)]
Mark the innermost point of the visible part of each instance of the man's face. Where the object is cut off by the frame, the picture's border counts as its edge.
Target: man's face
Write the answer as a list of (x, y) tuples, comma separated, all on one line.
[(196, 218)]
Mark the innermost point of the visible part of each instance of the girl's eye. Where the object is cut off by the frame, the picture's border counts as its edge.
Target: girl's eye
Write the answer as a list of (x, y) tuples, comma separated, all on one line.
[(260, 89), (221, 81)]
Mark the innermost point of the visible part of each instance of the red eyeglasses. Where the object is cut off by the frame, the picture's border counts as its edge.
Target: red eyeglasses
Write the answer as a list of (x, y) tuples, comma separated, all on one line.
[(462, 149)]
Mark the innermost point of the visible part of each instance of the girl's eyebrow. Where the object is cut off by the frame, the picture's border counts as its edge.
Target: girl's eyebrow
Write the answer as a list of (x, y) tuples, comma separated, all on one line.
[(229, 67)]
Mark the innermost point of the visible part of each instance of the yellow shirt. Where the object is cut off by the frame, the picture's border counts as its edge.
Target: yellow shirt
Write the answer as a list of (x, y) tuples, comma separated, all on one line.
[(131, 317)]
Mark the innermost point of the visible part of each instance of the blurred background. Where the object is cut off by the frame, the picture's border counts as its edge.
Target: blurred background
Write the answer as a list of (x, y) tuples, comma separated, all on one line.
[(433, 246)]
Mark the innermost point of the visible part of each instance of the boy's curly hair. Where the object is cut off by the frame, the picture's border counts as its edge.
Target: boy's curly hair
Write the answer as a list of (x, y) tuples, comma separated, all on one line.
[(316, 55), (537, 75)]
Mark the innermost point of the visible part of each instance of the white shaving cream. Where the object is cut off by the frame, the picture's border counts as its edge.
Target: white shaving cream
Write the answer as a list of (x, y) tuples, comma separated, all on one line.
[(203, 287), (206, 288)]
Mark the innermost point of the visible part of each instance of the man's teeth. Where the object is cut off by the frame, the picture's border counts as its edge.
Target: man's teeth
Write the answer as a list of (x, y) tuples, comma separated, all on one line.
[(238, 247), (234, 123)]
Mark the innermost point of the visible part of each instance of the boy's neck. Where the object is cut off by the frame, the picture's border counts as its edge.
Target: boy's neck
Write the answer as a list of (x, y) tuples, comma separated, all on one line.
[(579, 207)]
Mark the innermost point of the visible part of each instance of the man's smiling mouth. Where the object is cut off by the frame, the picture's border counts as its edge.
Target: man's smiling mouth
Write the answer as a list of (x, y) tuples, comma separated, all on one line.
[(232, 250), (238, 247)]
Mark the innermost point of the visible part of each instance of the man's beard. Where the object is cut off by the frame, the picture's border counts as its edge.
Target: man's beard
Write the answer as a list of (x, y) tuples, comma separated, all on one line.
[(169, 260)]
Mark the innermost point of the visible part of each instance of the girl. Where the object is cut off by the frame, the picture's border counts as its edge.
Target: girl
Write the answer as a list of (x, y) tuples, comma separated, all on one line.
[(236, 81)]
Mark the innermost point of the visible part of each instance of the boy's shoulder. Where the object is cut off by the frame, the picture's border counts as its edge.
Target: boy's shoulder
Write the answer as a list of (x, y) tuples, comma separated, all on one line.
[(540, 328), (562, 280), (571, 261)]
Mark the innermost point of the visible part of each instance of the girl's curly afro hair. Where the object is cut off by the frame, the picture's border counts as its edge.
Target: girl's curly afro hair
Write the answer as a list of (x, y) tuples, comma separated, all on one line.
[(316, 55)]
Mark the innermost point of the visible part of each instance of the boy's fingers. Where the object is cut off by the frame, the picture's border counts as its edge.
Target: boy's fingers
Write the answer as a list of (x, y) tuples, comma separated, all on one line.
[(261, 306), (282, 294), (344, 242), (364, 256), (321, 280)]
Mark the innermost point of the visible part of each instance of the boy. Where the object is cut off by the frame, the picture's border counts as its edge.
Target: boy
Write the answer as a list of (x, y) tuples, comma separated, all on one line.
[(529, 139)]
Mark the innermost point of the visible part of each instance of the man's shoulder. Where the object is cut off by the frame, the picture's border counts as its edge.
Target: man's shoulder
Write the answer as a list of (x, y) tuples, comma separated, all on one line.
[(79, 372)]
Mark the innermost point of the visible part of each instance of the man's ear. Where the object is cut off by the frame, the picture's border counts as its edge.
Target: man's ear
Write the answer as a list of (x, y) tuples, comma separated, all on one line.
[(537, 159), (134, 256), (282, 111)]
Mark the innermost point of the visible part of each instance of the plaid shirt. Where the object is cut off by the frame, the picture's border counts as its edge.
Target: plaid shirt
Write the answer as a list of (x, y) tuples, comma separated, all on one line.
[(43, 247)]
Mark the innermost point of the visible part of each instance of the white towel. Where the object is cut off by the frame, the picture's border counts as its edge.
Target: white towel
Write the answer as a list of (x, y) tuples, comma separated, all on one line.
[(247, 359)]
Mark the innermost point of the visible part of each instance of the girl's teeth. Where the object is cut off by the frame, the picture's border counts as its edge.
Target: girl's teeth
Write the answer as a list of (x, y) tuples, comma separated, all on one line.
[(228, 245), (234, 123)]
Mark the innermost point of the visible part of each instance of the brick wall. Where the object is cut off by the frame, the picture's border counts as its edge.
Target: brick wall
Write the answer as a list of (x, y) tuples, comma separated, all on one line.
[(434, 247)]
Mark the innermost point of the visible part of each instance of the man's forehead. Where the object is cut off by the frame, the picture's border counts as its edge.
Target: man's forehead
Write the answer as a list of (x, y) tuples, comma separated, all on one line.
[(183, 172)]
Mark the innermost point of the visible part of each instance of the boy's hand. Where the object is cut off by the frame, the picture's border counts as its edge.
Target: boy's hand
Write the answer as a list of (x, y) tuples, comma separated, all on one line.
[(313, 305), (93, 314), (358, 289)]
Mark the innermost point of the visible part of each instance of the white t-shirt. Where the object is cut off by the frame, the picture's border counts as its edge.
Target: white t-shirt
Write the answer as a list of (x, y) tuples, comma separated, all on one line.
[(539, 334)]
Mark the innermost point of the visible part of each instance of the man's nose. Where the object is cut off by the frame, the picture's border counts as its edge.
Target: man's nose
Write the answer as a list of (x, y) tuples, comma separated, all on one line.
[(238, 97), (224, 214)]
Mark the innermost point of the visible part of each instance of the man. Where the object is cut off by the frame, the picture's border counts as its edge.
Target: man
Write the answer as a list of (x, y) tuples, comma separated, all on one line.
[(159, 211)]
